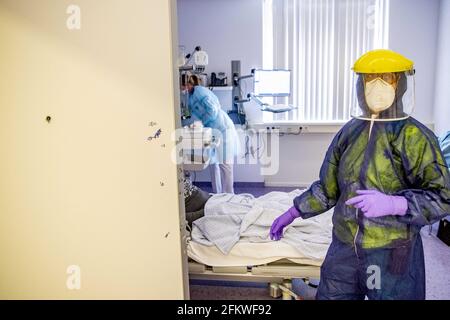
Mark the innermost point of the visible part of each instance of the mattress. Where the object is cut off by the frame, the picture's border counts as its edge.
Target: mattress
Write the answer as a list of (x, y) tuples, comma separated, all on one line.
[(234, 232), (248, 254)]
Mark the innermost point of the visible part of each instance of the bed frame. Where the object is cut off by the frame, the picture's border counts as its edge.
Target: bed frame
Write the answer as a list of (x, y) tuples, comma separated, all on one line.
[(275, 272)]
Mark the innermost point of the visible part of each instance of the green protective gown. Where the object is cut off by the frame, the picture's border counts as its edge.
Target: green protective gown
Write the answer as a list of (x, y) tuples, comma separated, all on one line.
[(398, 157)]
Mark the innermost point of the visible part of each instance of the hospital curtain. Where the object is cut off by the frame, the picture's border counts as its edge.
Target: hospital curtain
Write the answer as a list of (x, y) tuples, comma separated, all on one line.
[(319, 40)]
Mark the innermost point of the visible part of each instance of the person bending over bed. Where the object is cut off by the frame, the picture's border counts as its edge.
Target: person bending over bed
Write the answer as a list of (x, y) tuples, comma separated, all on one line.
[(386, 177)]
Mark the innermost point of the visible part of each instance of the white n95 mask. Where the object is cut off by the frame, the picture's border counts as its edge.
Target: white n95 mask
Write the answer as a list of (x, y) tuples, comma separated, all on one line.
[(379, 95)]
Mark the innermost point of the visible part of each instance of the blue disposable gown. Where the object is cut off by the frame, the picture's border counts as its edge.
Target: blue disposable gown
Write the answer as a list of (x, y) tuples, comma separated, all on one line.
[(205, 106)]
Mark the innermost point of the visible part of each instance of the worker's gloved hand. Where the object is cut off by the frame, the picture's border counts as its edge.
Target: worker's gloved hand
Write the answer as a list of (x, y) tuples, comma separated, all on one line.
[(377, 204), (276, 230)]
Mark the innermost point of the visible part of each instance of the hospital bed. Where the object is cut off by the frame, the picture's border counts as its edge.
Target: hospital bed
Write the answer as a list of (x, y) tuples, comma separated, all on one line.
[(252, 262), (260, 261)]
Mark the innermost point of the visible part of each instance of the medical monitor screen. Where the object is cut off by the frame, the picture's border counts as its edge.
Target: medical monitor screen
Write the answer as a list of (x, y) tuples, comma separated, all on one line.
[(272, 83)]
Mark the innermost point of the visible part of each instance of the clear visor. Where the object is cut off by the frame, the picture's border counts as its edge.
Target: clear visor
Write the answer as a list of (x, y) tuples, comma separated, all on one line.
[(384, 96)]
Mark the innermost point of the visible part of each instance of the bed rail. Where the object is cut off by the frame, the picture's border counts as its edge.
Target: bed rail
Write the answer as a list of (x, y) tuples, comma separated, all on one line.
[(272, 272)]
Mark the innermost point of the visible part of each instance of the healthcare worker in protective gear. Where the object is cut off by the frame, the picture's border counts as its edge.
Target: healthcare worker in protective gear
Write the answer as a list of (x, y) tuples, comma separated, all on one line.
[(205, 106), (386, 177)]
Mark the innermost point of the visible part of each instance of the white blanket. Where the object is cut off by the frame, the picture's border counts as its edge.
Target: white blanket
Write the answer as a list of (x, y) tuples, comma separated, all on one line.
[(231, 218)]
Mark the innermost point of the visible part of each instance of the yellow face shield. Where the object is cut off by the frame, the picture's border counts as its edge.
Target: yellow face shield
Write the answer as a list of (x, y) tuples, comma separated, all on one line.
[(384, 97), (385, 87)]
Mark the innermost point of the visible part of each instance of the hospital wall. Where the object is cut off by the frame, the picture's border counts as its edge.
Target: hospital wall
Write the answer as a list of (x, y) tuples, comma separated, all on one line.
[(413, 32), (442, 92), (88, 205)]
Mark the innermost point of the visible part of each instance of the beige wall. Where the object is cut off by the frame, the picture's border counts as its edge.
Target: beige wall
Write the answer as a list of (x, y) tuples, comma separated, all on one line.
[(85, 188)]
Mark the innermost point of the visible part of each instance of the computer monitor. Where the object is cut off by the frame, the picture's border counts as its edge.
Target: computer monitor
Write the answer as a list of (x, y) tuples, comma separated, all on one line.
[(272, 83)]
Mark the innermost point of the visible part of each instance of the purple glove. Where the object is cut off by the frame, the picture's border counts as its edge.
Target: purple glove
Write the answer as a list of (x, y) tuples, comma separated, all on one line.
[(377, 204), (276, 230)]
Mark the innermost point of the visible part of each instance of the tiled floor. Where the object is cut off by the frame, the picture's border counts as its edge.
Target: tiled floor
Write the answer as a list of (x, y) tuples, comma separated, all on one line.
[(437, 267), (437, 264)]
